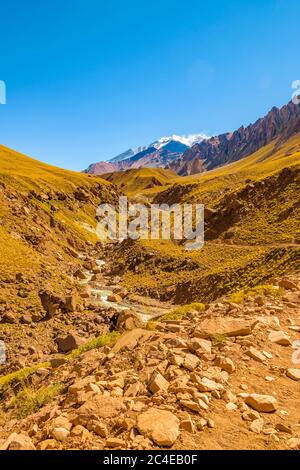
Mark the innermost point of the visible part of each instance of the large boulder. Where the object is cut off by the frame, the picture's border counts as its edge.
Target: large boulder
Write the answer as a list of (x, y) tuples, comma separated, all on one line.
[(128, 320), (223, 327), (98, 407), (18, 442), (71, 302), (69, 342), (159, 425), (115, 298), (50, 302), (262, 403)]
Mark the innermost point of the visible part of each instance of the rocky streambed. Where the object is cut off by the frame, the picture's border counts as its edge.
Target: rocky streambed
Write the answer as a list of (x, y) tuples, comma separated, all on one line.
[(111, 295)]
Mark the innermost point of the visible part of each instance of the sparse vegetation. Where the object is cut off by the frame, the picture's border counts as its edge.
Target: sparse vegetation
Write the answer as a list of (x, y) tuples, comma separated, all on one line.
[(241, 296), (29, 401), (218, 339), (181, 312), (20, 375), (96, 343), (151, 326)]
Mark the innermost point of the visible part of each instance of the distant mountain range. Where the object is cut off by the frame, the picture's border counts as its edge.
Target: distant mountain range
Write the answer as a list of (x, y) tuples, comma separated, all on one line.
[(232, 146), (199, 153), (159, 154)]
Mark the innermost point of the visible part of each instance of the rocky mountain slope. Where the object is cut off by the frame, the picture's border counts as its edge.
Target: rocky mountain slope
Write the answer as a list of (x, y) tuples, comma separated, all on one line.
[(100, 346), (217, 376), (47, 217), (232, 146), (251, 230)]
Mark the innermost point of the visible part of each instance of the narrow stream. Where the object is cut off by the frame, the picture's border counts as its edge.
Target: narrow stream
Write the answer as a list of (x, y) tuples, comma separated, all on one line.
[(100, 297)]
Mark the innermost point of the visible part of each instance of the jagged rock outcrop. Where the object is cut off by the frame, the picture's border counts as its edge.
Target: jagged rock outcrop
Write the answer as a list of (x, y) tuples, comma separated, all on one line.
[(230, 147)]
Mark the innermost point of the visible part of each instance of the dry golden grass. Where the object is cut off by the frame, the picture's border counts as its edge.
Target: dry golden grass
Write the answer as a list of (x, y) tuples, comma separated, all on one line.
[(135, 181), (209, 187)]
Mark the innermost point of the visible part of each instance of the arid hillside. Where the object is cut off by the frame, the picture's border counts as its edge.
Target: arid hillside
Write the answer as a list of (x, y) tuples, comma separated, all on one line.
[(143, 344), (251, 229), (133, 182), (47, 218)]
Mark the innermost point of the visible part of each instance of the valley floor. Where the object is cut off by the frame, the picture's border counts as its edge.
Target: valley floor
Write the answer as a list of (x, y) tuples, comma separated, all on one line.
[(221, 376)]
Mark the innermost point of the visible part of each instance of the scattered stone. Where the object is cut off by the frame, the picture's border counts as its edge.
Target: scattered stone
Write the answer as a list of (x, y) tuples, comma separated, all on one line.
[(262, 403), (293, 374), (202, 424), (250, 415), (191, 362), (259, 300), (79, 274), (60, 434), (157, 383), (210, 423), (114, 442), (228, 396), (255, 354), (257, 425), (190, 405), (57, 362), (62, 422), (279, 337), (201, 346), (26, 319), (128, 320), (206, 385), (86, 292), (294, 443), (267, 354), (274, 438), (9, 317), (231, 406), (115, 298), (68, 343), (283, 428), (269, 379), (48, 444), (225, 363), (50, 302), (188, 425)]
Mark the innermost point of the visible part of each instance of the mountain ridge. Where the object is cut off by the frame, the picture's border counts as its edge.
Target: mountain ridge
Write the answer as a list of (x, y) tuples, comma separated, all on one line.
[(232, 146)]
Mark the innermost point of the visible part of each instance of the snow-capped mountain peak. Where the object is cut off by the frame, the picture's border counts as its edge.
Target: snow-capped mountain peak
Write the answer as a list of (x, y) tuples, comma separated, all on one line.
[(159, 154), (187, 140)]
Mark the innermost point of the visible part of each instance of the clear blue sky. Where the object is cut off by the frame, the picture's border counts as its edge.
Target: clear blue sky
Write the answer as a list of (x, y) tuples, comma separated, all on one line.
[(87, 79)]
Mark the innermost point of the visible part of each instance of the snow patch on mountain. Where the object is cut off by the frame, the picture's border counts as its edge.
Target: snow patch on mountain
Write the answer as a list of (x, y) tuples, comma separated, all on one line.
[(188, 140)]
